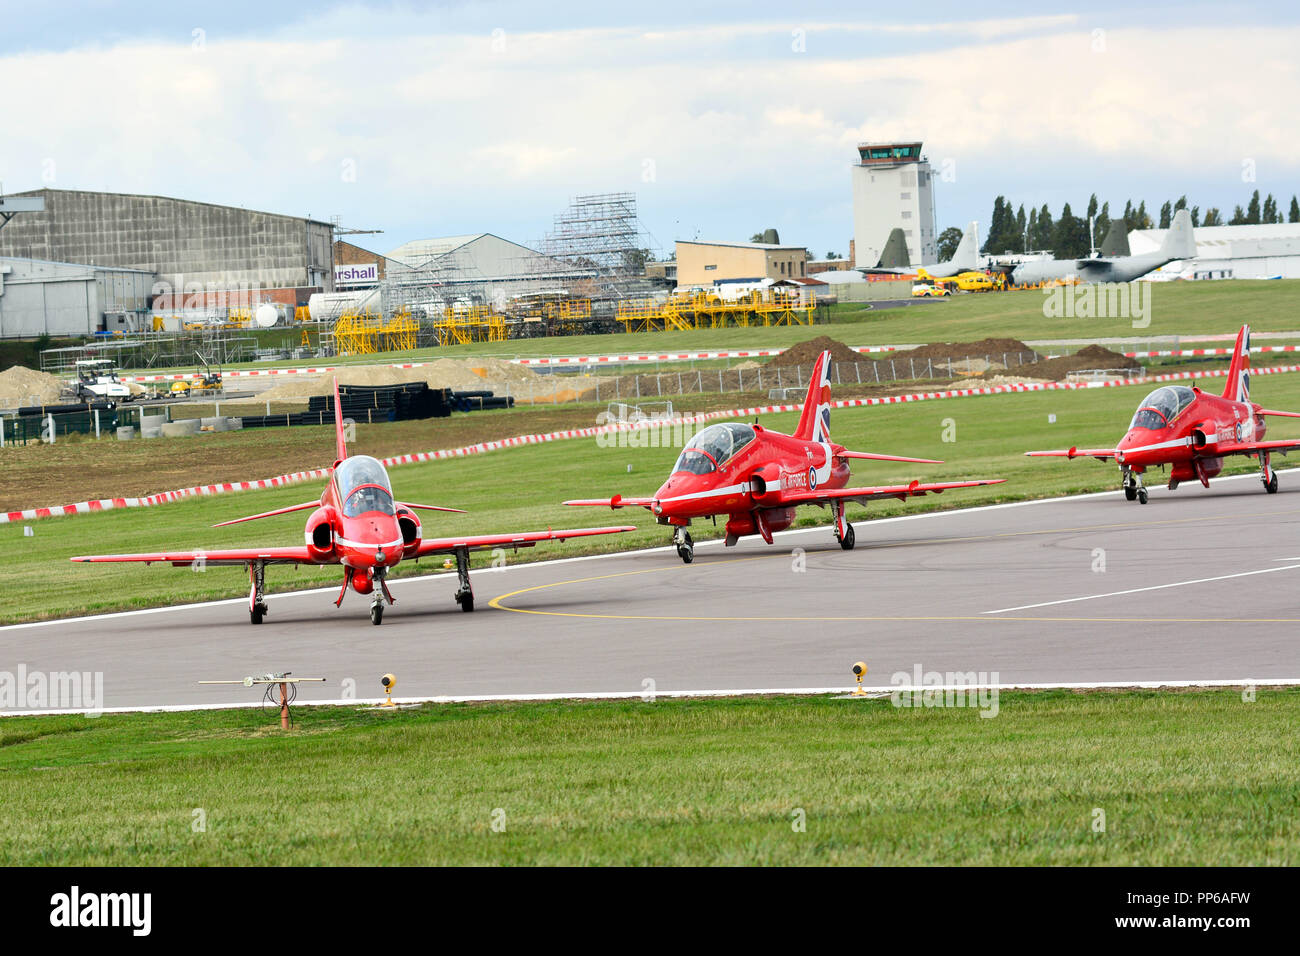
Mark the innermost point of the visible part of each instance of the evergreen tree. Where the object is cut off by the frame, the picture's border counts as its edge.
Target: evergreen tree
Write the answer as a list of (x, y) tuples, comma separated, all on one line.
[(1032, 227), (1142, 220), (996, 225), (1070, 237), (1021, 225), (1270, 209), (1044, 236), (1129, 215), (1212, 217), (1238, 217), (1252, 210), (1102, 226), (1166, 214), (1295, 211), (1196, 215)]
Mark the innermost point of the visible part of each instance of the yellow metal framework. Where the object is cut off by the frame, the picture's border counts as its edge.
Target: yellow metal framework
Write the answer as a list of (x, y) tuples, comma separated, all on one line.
[(366, 333), (684, 312)]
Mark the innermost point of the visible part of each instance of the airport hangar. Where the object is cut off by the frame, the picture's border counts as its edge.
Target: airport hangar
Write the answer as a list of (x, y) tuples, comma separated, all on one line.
[(197, 254)]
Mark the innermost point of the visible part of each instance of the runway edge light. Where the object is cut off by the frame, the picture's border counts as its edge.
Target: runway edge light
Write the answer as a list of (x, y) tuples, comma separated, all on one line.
[(389, 682), (859, 670)]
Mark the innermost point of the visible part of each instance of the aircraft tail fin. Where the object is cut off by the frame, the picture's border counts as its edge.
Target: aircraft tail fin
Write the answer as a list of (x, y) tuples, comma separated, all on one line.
[(966, 258), (1116, 241), (342, 451), (815, 422), (1238, 387), (1179, 242), (894, 255)]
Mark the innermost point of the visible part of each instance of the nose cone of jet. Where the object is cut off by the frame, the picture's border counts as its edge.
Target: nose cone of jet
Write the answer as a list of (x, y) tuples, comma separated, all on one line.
[(673, 495), (1133, 448), (373, 541)]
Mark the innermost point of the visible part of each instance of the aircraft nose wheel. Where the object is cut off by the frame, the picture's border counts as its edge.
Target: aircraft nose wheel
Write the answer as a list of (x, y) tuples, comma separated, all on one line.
[(1142, 496), (849, 538), (686, 548), (376, 613), (1130, 493), (255, 615)]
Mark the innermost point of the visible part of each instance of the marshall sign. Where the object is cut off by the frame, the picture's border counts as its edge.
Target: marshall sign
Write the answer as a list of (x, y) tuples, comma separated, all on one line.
[(356, 274)]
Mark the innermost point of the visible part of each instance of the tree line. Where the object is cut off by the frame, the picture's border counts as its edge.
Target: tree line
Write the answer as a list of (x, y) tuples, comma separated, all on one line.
[(1066, 235)]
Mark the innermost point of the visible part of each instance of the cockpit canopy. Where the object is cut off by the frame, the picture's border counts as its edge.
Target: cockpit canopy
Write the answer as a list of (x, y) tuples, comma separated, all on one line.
[(710, 448), (363, 485), (1161, 407)]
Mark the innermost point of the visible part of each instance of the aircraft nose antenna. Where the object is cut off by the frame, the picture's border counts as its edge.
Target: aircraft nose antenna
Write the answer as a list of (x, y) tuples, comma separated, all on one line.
[(379, 556)]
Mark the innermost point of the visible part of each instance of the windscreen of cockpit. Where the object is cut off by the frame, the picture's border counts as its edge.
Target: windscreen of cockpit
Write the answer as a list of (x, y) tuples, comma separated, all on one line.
[(363, 485), (1161, 407), (711, 448)]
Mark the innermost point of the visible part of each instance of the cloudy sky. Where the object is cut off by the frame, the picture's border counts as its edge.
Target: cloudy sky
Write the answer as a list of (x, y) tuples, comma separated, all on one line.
[(427, 119)]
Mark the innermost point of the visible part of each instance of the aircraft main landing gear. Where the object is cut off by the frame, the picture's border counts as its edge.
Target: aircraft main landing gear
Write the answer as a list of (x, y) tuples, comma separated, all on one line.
[(849, 538), (685, 546), (256, 600), (465, 593)]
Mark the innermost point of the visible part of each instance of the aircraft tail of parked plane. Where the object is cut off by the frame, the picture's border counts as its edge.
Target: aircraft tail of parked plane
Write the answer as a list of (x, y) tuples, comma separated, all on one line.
[(1179, 241)]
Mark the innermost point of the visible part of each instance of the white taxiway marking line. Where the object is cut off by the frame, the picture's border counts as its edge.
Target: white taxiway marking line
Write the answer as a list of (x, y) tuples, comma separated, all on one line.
[(633, 694), (1155, 587)]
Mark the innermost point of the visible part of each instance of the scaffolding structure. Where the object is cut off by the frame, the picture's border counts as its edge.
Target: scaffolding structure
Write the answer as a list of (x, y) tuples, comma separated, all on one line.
[(683, 312), (600, 234)]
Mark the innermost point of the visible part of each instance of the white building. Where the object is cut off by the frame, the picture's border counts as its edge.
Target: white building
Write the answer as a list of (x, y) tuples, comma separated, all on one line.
[(1230, 252), (893, 188), (69, 298)]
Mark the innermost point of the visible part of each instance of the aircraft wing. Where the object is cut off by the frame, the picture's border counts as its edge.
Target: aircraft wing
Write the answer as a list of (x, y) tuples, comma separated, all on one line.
[(1251, 447), (1101, 454), (293, 555), (618, 501), (863, 495), (527, 539)]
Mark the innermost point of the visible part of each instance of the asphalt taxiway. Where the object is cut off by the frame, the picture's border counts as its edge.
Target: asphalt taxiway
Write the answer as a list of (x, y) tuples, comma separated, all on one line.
[(1199, 584)]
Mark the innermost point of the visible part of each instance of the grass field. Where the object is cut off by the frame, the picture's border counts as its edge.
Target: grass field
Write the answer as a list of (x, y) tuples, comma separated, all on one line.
[(521, 489), (1186, 309), (1182, 778)]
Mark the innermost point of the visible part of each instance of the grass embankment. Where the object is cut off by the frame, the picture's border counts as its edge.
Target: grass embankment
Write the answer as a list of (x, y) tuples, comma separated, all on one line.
[(1182, 779), (521, 488)]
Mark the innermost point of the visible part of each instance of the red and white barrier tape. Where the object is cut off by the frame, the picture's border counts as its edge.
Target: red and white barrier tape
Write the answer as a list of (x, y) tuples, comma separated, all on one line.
[(105, 504), (1181, 353)]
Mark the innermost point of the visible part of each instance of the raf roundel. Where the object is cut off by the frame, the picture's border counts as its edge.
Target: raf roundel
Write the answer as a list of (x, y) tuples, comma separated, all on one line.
[(812, 478)]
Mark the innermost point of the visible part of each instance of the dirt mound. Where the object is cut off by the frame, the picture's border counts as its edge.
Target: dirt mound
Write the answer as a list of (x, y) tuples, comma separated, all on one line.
[(990, 349), (805, 353), (25, 386), (1090, 357)]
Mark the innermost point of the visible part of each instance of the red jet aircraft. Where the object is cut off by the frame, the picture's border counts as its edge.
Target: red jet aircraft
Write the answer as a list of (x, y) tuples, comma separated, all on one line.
[(357, 524), (1192, 432), (758, 477)]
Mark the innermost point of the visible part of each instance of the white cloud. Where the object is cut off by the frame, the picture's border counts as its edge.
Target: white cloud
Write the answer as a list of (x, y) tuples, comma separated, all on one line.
[(435, 122)]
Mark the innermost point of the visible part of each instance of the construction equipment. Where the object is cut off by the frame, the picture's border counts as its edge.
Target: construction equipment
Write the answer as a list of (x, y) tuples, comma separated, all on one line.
[(206, 379)]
